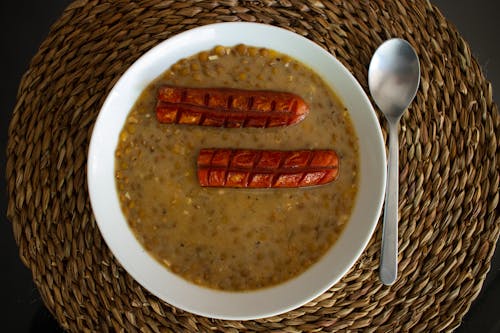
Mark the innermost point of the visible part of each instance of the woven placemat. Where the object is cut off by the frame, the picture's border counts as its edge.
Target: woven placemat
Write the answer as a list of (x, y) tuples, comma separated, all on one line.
[(449, 167)]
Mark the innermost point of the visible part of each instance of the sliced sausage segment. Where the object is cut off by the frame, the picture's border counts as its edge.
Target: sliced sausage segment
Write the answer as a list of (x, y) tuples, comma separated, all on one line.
[(266, 168), (228, 107)]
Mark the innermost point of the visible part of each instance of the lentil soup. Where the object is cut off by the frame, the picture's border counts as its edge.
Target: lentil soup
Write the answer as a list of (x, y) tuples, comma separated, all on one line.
[(227, 238)]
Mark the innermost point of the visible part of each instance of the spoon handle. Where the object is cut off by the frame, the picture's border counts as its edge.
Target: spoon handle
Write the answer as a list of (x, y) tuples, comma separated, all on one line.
[(389, 256)]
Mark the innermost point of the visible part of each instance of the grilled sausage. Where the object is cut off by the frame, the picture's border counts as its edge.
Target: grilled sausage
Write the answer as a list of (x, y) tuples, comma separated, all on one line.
[(266, 168), (226, 107)]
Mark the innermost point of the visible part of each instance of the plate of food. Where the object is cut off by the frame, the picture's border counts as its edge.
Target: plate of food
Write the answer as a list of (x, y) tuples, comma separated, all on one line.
[(237, 170)]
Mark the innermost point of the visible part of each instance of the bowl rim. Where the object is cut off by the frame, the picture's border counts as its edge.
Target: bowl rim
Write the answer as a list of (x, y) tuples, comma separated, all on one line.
[(185, 295)]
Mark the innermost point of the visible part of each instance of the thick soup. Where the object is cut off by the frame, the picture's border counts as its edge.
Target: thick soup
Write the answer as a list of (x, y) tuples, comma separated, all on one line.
[(232, 238)]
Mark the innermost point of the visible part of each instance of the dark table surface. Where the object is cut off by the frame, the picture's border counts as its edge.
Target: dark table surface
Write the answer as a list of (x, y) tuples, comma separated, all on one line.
[(24, 24)]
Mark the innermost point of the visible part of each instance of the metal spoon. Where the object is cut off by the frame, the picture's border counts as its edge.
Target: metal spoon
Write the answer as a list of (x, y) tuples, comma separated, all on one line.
[(393, 78)]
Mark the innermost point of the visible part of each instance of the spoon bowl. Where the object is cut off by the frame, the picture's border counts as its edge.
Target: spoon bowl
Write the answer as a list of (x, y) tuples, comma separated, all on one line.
[(394, 76), (393, 79)]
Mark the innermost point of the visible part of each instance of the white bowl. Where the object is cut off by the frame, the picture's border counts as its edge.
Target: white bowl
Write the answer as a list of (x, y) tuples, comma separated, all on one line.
[(172, 288)]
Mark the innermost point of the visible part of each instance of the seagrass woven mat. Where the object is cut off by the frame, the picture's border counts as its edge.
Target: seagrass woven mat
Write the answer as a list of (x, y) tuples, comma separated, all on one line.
[(449, 167)]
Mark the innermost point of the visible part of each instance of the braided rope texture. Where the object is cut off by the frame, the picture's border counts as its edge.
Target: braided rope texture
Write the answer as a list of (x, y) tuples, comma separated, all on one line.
[(449, 169)]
